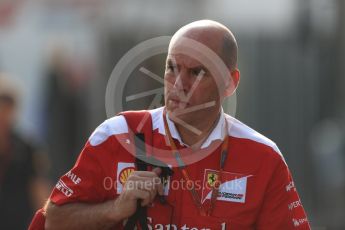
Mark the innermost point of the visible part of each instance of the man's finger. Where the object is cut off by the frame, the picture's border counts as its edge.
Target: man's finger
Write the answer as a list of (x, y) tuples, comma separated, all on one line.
[(142, 195), (160, 189), (145, 173)]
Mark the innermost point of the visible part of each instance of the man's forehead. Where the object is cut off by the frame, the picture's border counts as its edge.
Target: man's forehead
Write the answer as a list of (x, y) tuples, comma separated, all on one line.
[(183, 59)]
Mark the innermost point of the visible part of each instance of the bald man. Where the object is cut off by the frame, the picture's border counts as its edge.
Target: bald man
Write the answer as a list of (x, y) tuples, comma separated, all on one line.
[(225, 174)]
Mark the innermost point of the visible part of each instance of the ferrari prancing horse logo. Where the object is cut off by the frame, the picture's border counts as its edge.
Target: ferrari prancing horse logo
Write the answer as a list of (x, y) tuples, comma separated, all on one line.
[(212, 178)]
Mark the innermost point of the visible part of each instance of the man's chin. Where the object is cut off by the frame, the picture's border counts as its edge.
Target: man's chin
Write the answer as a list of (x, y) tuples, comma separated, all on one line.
[(178, 117), (177, 110)]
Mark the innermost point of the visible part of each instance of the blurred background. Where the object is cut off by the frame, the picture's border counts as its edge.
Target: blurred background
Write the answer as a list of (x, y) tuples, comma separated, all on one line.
[(56, 57)]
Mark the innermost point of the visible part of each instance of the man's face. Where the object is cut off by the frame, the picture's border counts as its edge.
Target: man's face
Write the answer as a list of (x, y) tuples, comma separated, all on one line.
[(189, 86)]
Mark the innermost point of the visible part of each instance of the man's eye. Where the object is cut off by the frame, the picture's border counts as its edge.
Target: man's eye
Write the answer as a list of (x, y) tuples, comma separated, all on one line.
[(170, 68), (198, 71)]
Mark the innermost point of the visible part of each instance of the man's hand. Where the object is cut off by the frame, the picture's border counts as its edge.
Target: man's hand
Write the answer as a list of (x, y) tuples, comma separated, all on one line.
[(142, 185)]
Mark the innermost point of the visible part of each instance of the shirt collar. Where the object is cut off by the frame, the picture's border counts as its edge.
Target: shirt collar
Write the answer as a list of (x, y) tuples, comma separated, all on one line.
[(218, 132)]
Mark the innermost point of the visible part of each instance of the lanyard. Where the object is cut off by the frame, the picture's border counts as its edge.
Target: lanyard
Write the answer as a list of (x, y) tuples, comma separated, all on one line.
[(190, 183)]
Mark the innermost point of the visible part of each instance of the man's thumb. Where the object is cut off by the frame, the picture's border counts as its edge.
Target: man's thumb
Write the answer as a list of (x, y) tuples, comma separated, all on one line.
[(157, 170)]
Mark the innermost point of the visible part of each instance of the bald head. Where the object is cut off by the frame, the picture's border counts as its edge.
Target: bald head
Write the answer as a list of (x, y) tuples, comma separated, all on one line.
[(213, 35)]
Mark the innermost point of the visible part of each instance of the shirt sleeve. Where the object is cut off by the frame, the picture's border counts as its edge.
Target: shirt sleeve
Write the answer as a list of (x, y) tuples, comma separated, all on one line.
[(282, 207), (83, 183), (92, 179)]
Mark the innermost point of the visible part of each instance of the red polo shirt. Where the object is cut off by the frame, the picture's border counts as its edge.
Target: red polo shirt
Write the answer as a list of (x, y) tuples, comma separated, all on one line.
[(256, 192)]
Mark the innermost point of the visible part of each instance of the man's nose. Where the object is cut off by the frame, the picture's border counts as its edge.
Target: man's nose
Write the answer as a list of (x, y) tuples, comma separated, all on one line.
[(181, 82)]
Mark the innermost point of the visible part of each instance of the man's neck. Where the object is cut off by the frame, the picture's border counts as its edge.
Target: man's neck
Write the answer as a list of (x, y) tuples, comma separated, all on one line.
[(205, 127)]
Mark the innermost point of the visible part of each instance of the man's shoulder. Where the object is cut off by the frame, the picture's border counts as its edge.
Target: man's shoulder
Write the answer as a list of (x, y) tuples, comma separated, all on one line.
[(118, 125), (112, 126), (239, 130)]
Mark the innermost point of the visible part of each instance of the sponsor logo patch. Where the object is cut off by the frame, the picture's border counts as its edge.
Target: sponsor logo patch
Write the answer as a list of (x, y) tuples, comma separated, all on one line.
[(298, 222), (232, 189), (61, 186), (290, 186), (123, 172)]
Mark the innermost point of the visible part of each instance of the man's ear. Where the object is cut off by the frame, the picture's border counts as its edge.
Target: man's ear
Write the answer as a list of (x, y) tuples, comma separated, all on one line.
[(234, 80)]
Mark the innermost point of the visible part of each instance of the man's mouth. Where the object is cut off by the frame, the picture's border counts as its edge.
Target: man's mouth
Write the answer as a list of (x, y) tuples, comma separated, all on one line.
[(175, 102)]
